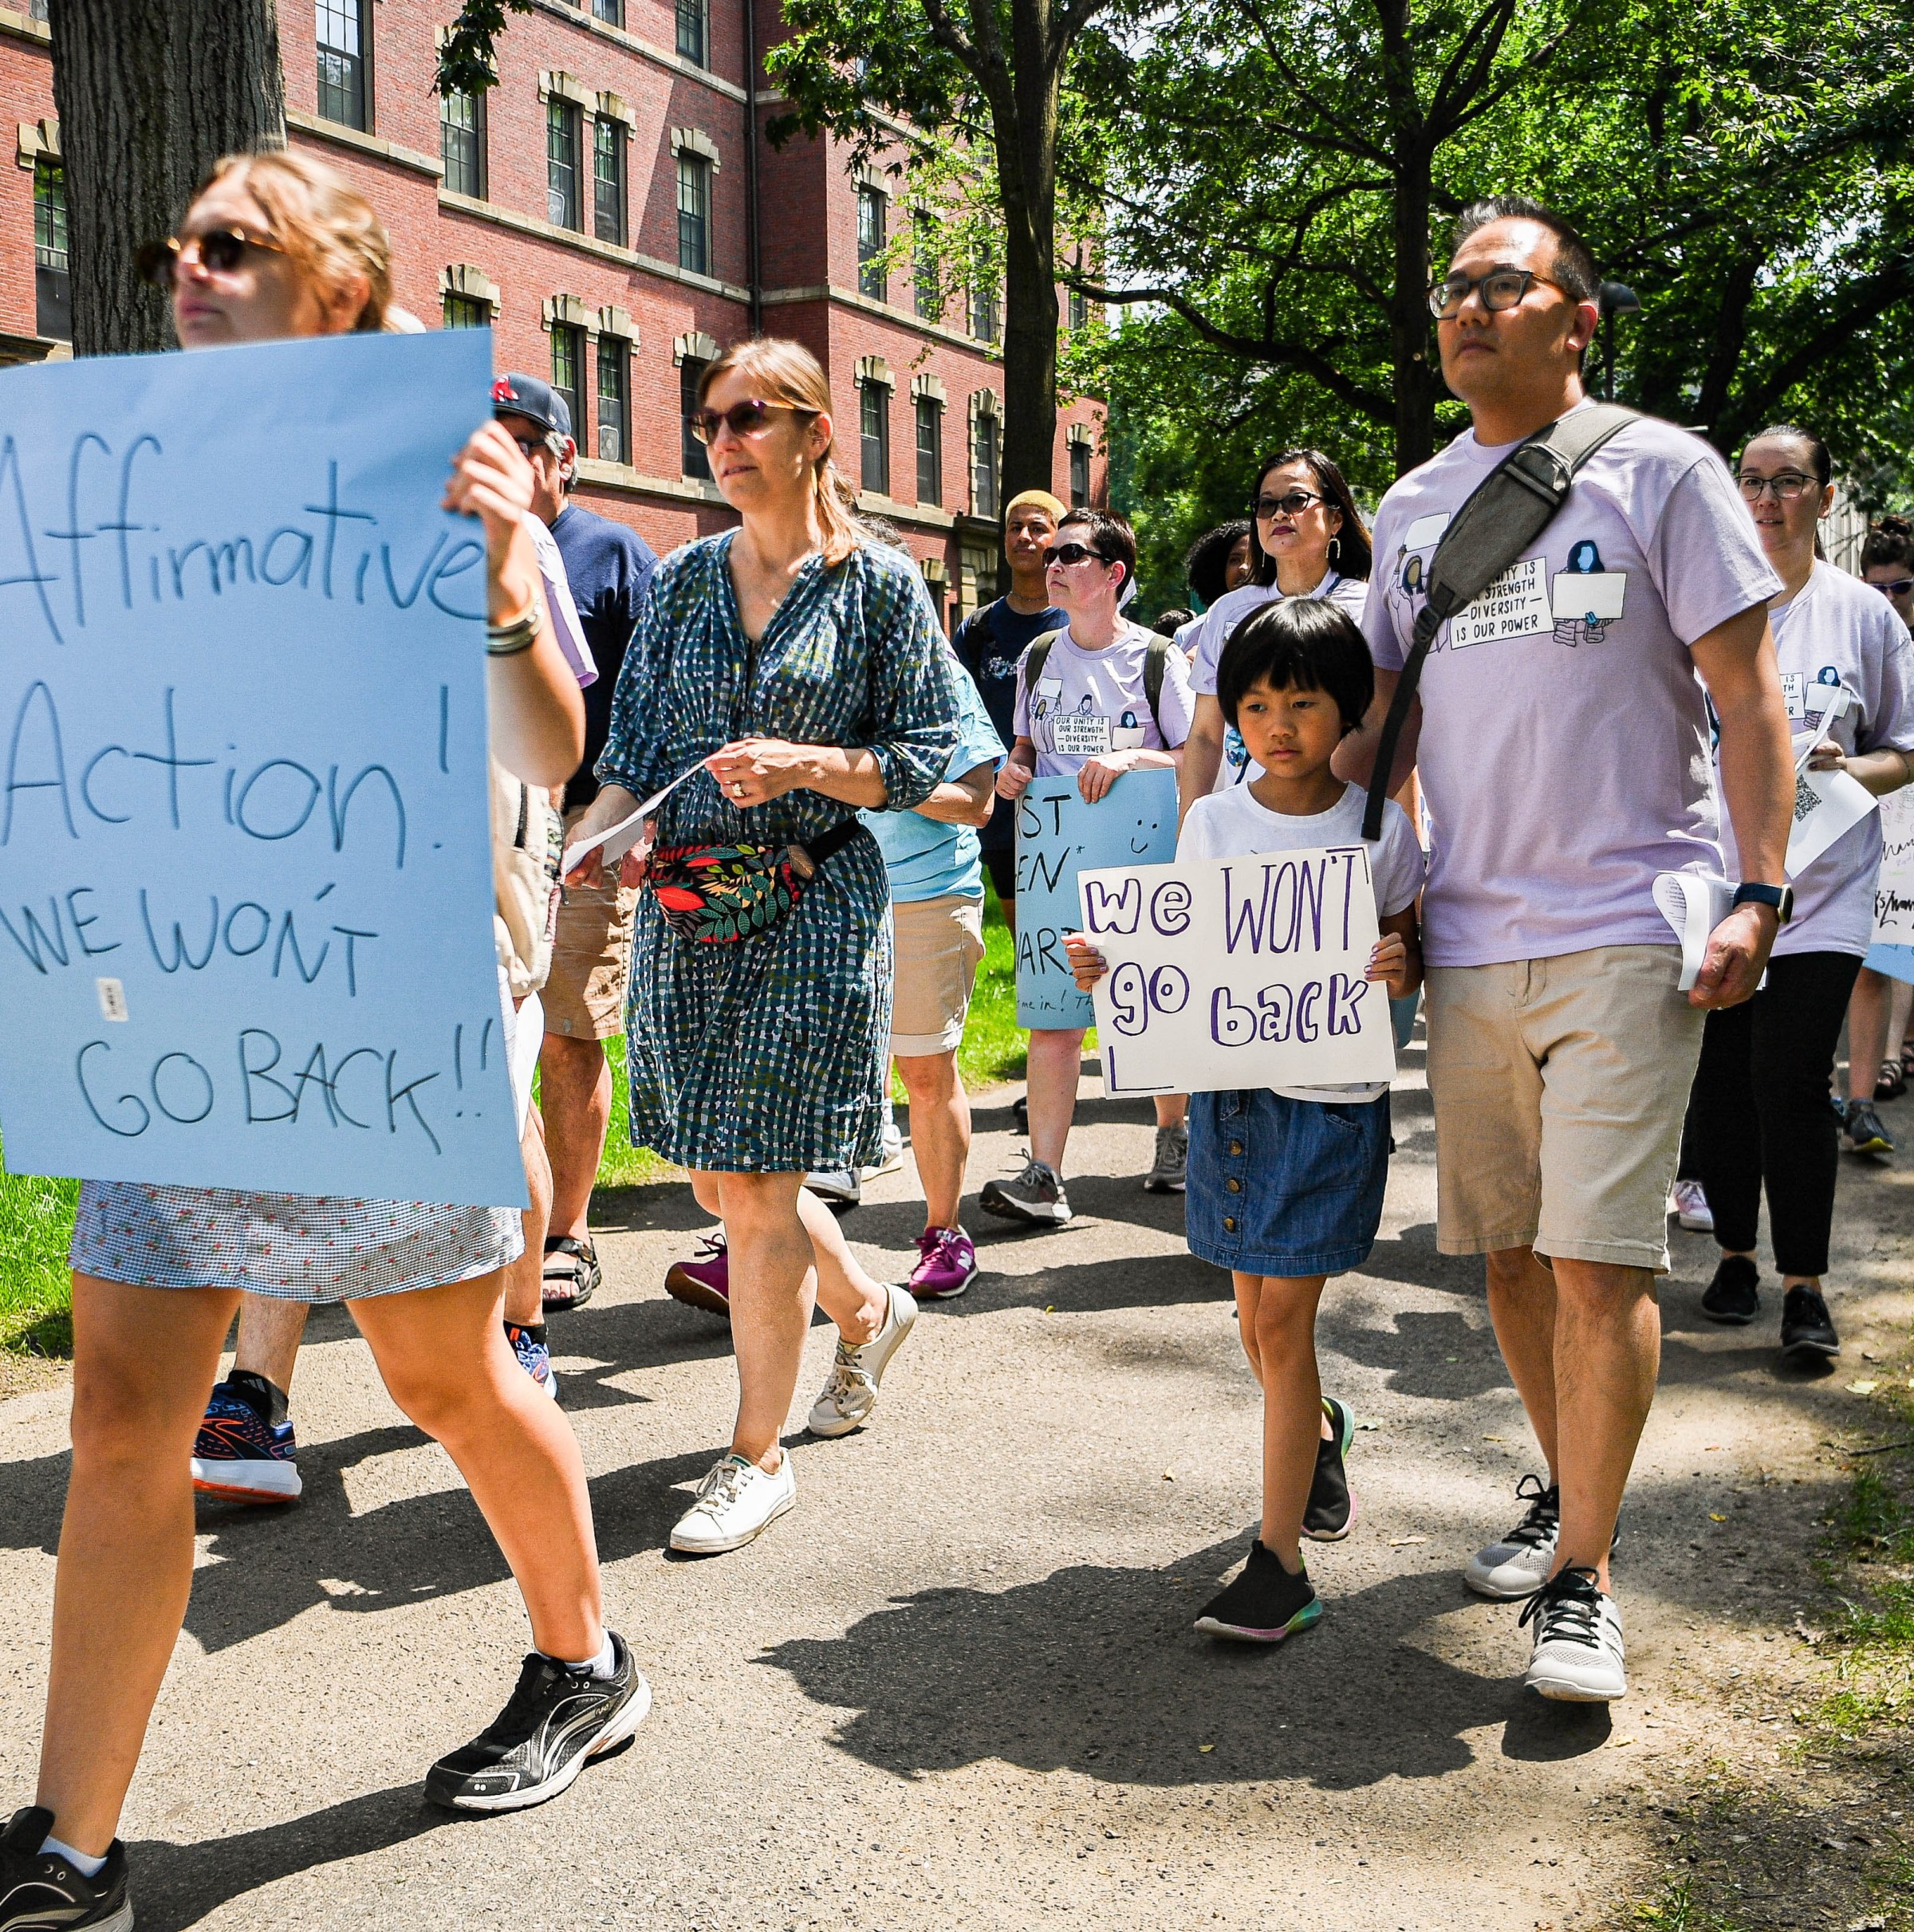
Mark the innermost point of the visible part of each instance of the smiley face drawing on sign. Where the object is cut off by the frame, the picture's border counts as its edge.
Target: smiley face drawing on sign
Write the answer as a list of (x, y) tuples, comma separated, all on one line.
[(1587, 598)]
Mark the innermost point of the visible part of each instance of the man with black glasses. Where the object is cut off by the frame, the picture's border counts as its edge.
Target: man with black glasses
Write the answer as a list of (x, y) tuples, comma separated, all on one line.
[(1562, 737)]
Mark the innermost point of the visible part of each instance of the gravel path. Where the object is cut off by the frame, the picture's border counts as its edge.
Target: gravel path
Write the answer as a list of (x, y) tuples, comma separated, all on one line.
[(957, 1687)]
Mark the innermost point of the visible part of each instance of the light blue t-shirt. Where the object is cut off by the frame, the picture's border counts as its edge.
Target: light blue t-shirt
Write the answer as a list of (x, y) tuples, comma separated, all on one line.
[(928, 859)]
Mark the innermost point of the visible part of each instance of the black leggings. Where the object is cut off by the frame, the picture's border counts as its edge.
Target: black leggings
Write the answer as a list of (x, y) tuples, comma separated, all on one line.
[(1760, 1113)]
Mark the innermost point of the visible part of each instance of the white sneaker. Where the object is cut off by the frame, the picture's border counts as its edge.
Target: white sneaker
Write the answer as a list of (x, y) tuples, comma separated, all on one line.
[(1577, 1658), (851, 1393), (736, 1501), (836, 1185), (1690, 1207), (890, 1156), (1517, 1564)]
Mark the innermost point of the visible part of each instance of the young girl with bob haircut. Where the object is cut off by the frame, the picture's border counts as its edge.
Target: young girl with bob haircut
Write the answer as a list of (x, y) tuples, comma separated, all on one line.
[(276, 246), (1285, 1184)]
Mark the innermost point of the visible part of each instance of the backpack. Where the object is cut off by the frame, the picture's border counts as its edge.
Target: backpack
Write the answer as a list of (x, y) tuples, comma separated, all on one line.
[(1153, 662), (1511, 506)]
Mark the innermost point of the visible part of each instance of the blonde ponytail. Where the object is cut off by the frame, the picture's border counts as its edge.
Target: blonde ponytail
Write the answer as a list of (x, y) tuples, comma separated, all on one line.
[(784, 371)]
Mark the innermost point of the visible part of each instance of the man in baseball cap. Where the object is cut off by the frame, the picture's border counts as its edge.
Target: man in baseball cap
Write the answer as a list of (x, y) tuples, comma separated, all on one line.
[(538, 402)]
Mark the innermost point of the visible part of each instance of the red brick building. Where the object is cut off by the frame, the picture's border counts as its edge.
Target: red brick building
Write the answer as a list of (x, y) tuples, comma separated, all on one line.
[(612, 209)]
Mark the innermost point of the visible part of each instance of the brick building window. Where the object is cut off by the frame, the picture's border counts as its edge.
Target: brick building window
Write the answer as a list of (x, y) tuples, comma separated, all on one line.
[(874, 436), (614, 399), (607, 179), (930, 450), (568, 369), (694, 213), (561, 163), (1079, 309), (926, 279), (983, 466), (872, 279), (1080, 475), (467, 311), (462, 144), (694, 37), (53, 276), (611, 12), (696, 459), (983, 301), (341, 35)]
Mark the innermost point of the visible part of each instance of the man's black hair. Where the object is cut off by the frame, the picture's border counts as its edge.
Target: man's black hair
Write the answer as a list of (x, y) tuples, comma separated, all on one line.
[(1299, 644), (1574, 264)]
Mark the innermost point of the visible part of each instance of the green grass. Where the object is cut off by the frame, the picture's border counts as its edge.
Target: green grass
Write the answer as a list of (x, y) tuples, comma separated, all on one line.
[(36, 1215)]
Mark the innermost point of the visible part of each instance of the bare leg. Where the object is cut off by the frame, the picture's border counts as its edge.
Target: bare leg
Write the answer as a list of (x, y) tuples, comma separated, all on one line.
[(1901, 1011), (1282, 1314), (143, 1363), (575, 1085), (1608, 1350), (524, 1288), (270, 1330), (1867, 1008), (1055, 1063), (940, 1132), (774, 1285), (443, 1355), (1172, 1109), (853, 1299), (1521, 1305)]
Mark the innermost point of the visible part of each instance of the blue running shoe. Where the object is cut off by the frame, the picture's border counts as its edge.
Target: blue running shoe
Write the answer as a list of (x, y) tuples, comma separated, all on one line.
[(533, 1356), (241, 1456)]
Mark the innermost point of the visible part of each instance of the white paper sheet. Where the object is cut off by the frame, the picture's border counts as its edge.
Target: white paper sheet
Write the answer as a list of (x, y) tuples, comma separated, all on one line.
[(615, 840), (1694, 905), (1826, 805)]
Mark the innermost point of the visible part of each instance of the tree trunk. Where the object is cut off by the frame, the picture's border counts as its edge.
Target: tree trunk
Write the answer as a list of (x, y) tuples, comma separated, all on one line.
[(1416, 383), (150, 93), (1030, 280)]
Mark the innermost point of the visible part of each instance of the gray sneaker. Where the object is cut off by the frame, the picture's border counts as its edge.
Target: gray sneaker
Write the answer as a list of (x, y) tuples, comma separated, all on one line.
[(1862, 1132), (1168, 1172), (1036, 1197)]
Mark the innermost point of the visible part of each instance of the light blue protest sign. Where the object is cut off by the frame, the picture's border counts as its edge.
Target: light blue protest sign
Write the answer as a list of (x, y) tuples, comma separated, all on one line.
[(1057, 835), (246, 894)]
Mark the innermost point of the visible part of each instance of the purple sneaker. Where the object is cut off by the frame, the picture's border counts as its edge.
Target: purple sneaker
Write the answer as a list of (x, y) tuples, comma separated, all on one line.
[(704, 1282), (947, 1267)]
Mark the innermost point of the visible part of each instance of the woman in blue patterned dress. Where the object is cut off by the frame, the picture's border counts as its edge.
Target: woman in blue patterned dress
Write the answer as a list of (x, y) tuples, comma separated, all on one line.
[(802, 669), (275, 246)]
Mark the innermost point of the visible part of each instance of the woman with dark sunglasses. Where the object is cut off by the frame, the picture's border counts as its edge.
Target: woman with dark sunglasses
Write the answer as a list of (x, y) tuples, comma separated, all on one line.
[(277, 245), (1758, 1119), (1307, 539), (795, 669)]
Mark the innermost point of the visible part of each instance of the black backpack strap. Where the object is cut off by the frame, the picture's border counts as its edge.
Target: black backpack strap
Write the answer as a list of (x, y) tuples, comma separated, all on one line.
[(1512, 505), (1034, 658), (1155, 660)]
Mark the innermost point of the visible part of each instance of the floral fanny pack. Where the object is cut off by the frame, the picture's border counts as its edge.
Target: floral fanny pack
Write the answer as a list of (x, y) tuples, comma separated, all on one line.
[(713, 894)]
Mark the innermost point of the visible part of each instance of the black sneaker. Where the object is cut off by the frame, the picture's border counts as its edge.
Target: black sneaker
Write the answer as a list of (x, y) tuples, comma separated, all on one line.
[(1020, 1113), (556, 1721), (1330, 1512), (40, 1891), (1732, 1296), (1862, 1132), (1807, 1329), (1264, 1605)]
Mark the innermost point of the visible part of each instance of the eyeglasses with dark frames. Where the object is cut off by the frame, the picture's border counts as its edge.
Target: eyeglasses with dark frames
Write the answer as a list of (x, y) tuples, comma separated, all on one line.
[(1292, 504), (1787, 486), (1502, 288), (219, 251)]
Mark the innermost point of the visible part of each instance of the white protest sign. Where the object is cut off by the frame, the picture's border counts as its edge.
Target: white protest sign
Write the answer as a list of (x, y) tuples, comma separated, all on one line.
[(1237, 973), (1894, 884)]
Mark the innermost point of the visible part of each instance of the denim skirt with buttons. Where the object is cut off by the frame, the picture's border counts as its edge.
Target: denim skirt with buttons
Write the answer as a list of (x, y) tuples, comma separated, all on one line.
[(1285, 1188)]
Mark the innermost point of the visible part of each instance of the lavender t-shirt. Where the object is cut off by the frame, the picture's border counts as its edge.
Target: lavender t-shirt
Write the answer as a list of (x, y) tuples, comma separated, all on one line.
[(1836, 630), (1565, 754), (1092, 702)]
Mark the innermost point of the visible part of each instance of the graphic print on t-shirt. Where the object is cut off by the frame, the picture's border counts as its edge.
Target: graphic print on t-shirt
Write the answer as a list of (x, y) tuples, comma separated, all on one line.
[(1575, 609), (1084, 733), (1587, 598)]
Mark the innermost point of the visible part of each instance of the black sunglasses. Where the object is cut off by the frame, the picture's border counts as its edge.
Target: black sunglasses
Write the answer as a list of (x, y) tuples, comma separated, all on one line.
[(1064, 555), (220, 250), (1894, 586), (1293, 504), (742, 418)]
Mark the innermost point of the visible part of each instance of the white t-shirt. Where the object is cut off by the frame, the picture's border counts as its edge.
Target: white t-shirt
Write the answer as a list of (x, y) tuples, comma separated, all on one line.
[(1235, 766), (1092, 702), (1565, 754), (1232, 825), (1839, 631), (559, 600)]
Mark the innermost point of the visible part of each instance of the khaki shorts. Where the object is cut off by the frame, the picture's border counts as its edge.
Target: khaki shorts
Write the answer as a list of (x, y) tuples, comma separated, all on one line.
[(1560, 1086), (939, 941), (591, 956)]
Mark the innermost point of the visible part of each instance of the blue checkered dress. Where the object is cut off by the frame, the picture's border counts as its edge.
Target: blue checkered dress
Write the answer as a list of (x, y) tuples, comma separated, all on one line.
[(769, 1056)]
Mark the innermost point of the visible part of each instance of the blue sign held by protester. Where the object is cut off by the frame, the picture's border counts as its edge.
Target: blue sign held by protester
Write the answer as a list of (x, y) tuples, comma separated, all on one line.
[(246, 886), (1058, 834)]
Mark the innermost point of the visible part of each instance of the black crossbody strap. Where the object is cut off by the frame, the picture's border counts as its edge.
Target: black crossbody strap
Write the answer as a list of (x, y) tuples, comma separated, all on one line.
[(1512, 505), (840, 836)]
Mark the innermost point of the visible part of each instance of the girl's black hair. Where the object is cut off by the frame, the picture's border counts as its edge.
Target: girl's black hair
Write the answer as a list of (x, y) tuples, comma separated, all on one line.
[(1205, 565), (1349, 552), (1891, 540), (1298, 643), (1170, 621), (1817, 450)]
